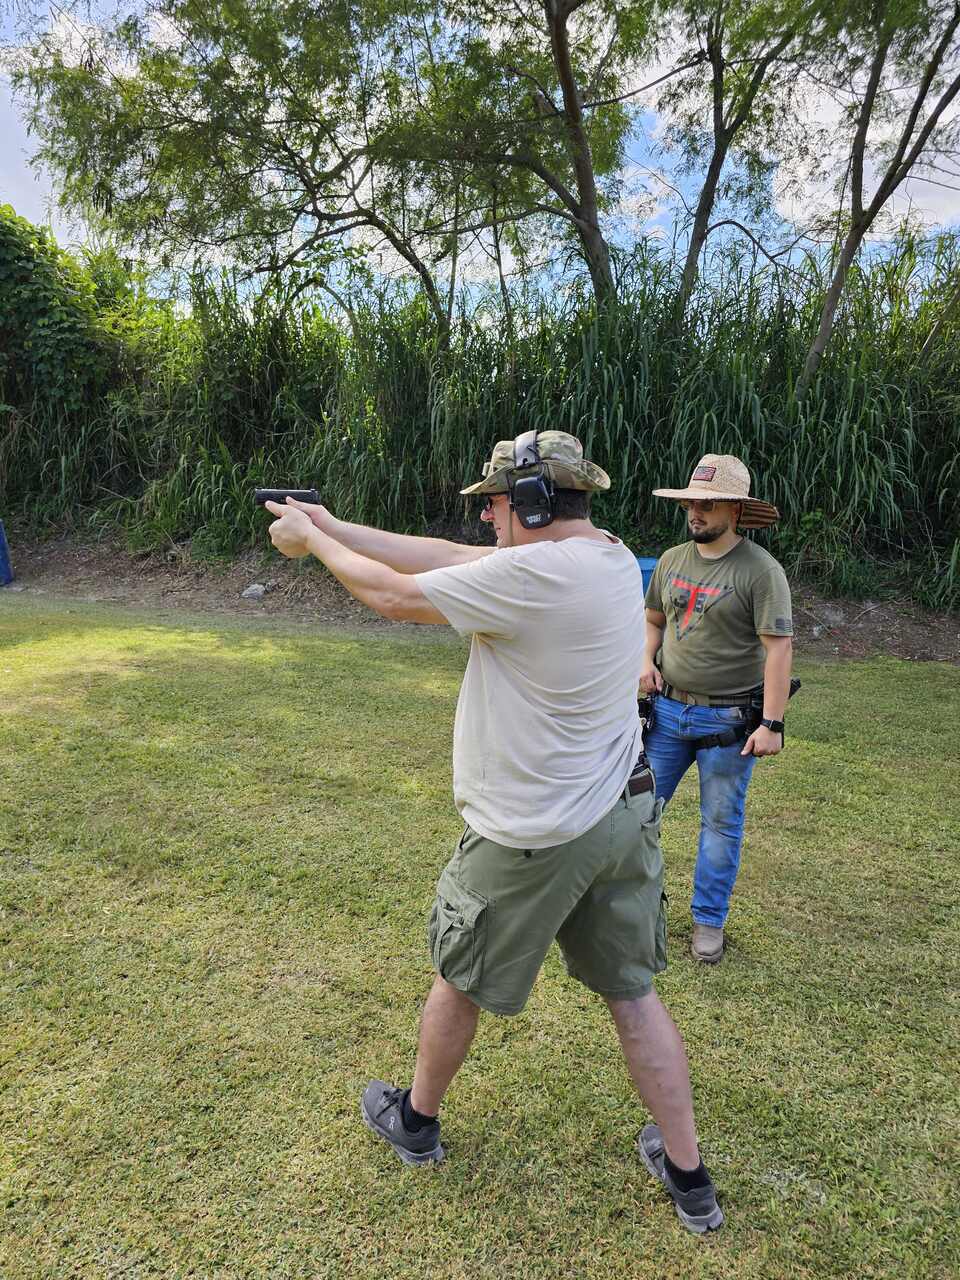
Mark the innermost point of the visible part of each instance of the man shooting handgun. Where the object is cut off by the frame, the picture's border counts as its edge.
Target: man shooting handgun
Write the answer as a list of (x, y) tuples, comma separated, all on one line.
[(561, 836)]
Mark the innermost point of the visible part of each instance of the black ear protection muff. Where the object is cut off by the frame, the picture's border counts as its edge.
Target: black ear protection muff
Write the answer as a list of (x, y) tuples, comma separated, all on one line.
[(531, 493)]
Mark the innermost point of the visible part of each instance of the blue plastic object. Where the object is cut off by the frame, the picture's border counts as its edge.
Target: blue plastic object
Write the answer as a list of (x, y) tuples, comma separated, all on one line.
[(647, 565), (6, 569)]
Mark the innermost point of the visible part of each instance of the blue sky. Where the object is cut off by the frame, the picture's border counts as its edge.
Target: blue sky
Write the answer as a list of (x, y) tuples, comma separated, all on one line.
[(28, 191)]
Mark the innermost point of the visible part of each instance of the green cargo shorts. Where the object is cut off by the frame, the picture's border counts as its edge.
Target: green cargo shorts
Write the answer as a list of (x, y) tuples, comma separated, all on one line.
[(601, 896)]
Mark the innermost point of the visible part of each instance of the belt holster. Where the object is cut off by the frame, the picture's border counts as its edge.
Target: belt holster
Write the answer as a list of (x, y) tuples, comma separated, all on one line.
[(726, 738)]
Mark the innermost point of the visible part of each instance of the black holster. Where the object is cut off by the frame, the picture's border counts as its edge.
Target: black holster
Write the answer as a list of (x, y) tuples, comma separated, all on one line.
[(727, 737)]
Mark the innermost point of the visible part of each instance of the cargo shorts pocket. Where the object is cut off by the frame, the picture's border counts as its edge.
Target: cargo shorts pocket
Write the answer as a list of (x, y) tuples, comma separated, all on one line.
[(457, 933), (661, 936)]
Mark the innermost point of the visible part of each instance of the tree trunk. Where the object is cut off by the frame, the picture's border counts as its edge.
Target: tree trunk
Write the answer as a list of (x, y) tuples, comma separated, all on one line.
[(701, 222), (504, 291), (725, 128), (595, 249), (454, 258), (899, 167), (598, 262), (345, 307), (409, 255), (430, 289), (829, 310)]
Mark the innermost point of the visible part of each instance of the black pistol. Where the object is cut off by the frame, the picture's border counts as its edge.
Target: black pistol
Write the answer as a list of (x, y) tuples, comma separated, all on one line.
[(262, 496)]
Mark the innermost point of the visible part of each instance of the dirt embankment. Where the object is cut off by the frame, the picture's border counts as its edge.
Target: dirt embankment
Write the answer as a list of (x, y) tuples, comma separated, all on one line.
[(300, 591)]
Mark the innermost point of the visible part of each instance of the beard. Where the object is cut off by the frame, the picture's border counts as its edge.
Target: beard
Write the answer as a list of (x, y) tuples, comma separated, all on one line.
[(706, 535)]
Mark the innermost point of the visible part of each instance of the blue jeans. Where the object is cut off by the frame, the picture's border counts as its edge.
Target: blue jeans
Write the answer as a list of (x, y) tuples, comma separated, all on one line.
[(724, 776)]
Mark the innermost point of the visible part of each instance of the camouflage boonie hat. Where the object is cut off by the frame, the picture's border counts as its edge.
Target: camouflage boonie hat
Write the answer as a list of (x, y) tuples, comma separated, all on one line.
[(562, 458)]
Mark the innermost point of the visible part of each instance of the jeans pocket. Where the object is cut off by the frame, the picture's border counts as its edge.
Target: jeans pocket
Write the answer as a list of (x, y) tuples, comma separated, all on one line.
[(458, 926)]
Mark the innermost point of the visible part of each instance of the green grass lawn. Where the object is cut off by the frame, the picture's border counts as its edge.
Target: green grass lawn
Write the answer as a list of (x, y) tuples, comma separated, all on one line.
[(219, 847)]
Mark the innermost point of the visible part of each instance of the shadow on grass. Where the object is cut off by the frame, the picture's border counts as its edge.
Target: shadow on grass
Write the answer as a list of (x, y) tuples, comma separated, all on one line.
[(152, 748)]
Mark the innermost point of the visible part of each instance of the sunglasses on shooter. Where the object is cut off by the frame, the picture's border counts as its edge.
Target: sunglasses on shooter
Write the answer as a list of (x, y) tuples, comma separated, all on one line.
[(487, 504)]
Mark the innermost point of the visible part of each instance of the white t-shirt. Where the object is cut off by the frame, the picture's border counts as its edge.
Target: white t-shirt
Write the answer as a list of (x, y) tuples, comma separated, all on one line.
[(547, 730)]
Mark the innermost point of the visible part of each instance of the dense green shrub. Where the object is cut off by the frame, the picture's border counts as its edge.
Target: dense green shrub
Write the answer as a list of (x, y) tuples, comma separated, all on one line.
[(51, 347), (64, 357), (183, 412)]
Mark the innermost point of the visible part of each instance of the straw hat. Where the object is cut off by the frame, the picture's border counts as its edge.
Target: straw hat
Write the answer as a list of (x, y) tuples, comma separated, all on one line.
[(724, 478)]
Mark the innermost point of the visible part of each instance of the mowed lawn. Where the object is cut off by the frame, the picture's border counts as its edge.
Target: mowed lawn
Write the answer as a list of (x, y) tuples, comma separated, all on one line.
[(219, 846)]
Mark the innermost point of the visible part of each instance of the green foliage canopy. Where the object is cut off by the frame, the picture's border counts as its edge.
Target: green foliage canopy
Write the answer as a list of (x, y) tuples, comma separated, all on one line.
[(303, 134), (232, 131)]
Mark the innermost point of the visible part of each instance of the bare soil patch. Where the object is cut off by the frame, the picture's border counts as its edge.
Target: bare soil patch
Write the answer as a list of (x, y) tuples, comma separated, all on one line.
[(70, 567)]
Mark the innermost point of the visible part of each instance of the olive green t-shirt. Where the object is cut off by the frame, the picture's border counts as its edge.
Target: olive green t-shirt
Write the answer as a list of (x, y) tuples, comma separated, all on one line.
[(716, 612)]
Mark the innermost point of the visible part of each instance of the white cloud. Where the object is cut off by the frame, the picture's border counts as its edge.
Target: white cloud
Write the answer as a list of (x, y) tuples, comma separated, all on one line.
[(806, 188), (163, 32)]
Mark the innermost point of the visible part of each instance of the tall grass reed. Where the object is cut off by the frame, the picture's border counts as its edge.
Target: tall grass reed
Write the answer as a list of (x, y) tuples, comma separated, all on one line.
[(203, 405)]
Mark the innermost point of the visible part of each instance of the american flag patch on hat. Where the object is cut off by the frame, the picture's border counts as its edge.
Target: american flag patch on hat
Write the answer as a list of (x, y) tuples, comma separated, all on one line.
[(703, 473)]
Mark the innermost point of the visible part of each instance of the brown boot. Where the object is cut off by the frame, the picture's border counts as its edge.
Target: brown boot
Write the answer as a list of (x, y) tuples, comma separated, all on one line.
[(707, 945)]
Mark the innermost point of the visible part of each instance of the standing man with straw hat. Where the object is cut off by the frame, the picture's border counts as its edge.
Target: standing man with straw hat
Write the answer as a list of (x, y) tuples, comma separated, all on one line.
[(719, 631)]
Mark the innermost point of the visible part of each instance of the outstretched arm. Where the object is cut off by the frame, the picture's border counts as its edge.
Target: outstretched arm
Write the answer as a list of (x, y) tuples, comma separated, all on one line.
[(392, 594), (403, 552)]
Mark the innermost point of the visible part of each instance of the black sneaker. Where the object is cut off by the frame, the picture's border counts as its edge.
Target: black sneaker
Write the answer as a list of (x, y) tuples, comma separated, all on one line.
[(697, 1209), (380, 1107)]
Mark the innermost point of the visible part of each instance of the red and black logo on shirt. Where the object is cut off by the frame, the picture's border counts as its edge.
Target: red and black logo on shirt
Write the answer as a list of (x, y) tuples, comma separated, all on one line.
[(692, 600)]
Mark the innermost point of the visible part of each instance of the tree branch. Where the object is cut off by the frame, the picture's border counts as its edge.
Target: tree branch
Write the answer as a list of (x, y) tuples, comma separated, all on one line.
[(771, 257), (604, 57), (932, 67), (863, 123), (675, 71), (757, 79), (524, 160), (438, 228), (406, 251), (526, 75)]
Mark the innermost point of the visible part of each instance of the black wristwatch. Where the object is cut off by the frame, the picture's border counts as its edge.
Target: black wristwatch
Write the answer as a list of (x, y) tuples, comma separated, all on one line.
[(775, 726)]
